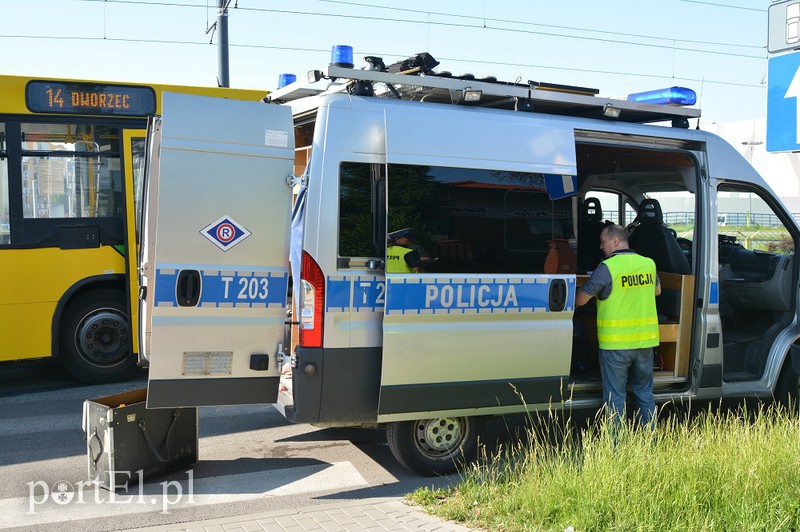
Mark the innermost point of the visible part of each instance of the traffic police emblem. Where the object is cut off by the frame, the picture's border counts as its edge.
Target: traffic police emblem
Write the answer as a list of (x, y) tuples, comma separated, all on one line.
[(225, 233)]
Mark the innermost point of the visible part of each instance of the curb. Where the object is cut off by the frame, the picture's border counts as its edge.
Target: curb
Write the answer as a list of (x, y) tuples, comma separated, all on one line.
[(379, 513)]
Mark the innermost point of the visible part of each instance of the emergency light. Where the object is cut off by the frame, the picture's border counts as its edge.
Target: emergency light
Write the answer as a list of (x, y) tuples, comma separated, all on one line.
[(668, 96), (286, 79), (342, 56)]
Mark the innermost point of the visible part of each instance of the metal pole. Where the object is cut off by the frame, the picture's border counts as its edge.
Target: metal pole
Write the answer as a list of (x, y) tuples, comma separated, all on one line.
[(222, 27)]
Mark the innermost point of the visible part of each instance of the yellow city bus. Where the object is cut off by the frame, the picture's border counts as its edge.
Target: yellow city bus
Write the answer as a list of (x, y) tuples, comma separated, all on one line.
[(71, 166)]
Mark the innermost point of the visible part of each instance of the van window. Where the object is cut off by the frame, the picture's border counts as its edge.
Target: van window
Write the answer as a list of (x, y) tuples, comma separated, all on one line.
[(481, 221), (361, 210), (757, 278), (744, 216)]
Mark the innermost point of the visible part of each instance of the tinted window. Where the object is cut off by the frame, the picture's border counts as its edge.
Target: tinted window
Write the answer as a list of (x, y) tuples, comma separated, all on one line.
[(479, 221), (361, 200)]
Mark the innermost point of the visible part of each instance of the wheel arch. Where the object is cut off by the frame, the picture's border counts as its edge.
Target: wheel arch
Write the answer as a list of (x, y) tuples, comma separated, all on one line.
[(114, 281)]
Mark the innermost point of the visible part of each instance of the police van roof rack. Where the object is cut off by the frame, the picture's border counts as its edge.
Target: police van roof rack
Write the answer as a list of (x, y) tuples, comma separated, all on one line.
[(422, 84)]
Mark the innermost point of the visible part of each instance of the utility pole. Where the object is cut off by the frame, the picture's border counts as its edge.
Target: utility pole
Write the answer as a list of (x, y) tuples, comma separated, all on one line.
[(222, 27)]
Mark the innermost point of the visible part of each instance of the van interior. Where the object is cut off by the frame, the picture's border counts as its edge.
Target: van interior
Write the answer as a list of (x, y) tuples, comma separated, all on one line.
[(629, 180), (655, 192)]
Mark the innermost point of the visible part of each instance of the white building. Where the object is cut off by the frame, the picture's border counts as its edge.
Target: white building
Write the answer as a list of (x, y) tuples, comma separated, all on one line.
[(780, 170)]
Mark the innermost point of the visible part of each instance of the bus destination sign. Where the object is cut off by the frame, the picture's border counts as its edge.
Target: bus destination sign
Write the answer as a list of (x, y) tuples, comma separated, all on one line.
[(89, 98)]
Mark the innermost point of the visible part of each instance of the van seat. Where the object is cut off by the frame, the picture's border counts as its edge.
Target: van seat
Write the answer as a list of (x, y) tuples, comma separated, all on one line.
[(590, 225), (651, 238)]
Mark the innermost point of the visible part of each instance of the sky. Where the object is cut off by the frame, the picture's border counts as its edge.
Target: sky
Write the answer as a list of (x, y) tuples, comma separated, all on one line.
[(716, 47)]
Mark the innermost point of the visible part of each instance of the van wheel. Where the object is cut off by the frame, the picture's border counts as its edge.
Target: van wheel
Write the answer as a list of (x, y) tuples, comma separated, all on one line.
[(434, 446), (787, 391), (96, 338)]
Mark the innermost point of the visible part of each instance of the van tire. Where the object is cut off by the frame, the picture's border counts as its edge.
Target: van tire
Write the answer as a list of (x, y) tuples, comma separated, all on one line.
[(787, 390), (434, 446), (95, 338)]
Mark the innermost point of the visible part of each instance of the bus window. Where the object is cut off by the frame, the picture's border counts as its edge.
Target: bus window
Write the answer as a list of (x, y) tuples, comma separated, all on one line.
[(71, 171), (137, 151), (5, 218)]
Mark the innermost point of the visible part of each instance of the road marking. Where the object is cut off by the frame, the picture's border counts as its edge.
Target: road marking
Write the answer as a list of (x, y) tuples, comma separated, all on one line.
[(156, 496)]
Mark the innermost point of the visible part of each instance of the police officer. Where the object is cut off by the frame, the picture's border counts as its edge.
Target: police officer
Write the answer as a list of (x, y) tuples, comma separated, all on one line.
[(400, 256), (626, 286)]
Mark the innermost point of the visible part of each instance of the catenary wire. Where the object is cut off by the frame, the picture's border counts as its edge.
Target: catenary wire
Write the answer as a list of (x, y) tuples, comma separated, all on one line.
[(472, 26), (538, 24), (327, 50), (728, 6)]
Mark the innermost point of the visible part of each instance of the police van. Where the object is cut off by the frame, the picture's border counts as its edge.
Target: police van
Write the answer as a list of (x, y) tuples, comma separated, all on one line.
[(507, 187)]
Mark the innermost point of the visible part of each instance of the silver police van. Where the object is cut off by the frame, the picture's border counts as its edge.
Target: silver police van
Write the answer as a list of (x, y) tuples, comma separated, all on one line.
[(502, 189)]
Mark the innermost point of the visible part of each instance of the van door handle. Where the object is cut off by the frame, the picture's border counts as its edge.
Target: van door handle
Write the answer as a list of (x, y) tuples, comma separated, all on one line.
[(558, 295), (188, 289)]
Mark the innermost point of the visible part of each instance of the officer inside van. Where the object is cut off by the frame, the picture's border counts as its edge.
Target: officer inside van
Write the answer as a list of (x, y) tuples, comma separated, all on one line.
[(626, 286), (401, 257)]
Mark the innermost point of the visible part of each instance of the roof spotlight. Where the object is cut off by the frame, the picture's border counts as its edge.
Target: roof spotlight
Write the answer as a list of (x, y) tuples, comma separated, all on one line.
[(472, 95), (609, 111)]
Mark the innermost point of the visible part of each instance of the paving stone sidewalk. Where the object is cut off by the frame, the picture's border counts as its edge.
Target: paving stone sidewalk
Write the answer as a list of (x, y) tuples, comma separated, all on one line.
[(377, 514)]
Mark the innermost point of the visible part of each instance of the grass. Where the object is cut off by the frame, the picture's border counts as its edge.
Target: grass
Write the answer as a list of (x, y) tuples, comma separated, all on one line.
[(737, 470)]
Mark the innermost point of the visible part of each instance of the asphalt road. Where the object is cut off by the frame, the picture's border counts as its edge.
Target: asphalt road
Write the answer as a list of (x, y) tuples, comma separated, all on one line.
[(251, 460)]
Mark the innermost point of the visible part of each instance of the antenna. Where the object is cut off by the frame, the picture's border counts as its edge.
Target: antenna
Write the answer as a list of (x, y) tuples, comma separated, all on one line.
[(700, 100)]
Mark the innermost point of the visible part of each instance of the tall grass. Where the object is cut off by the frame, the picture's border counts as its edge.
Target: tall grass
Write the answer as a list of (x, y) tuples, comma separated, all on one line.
[(737, 470)]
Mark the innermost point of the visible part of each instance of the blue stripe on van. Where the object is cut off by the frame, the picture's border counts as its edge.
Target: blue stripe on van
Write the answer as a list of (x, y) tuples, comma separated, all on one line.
[(453, 295), (713, 293), (356, 293), (227, 288)]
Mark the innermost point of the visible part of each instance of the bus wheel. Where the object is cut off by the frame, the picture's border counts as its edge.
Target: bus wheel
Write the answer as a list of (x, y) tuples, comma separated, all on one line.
[(434, 446), (787, 391), (96, 338)]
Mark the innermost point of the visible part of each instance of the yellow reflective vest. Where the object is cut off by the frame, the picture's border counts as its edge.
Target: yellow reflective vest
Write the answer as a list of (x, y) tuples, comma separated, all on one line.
[(396, 259), (627, 318)]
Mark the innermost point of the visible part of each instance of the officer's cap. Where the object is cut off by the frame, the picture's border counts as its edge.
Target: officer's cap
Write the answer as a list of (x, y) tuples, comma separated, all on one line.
[(400, 233)]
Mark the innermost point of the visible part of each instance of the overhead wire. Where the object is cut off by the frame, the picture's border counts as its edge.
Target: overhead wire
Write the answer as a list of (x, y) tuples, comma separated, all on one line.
[(715, 4), (539, 24), (499, 63), (475, 26), (508, 30), (596, 71), (384, 54)]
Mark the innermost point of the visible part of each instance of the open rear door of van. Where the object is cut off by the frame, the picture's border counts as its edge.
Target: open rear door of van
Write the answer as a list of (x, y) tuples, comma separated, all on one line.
[(214, 263)]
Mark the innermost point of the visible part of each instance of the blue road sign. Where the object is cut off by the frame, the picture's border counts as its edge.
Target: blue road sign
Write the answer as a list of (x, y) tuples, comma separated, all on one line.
[(783, 103)]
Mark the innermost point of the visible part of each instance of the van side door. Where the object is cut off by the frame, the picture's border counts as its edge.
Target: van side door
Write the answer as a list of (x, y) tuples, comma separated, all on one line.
[(484, 320)]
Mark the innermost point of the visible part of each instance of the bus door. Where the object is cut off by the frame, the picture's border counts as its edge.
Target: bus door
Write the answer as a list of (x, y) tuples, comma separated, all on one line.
[(481, 317), (133, 149), (215, 252)]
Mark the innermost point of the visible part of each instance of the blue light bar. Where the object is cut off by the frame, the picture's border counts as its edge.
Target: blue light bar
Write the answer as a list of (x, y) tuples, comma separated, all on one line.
[(668, 96), (342, 56), (286, 79)]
